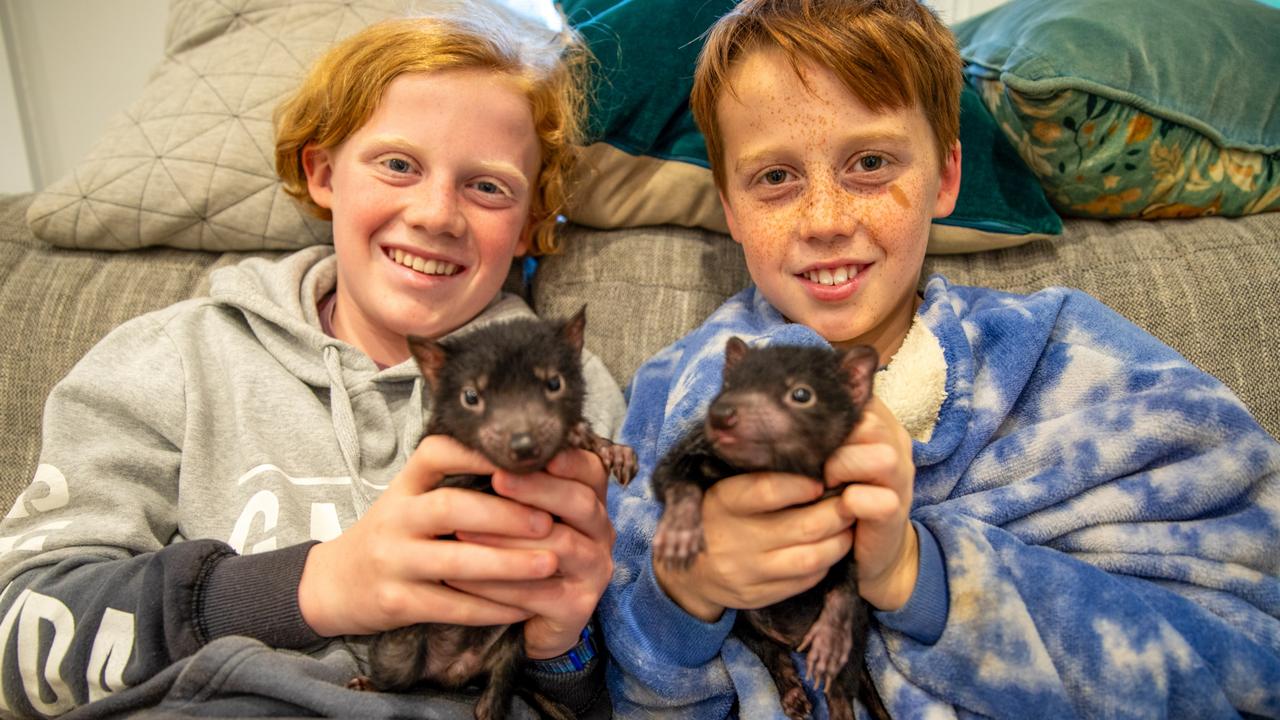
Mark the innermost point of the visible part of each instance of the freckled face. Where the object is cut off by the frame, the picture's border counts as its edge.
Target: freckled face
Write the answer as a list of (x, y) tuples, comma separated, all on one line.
[(430, 202), (831, 202)]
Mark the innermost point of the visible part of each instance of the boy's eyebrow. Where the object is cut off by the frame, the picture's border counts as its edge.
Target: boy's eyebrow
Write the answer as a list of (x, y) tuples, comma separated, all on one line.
[(505, 169), (498, 167), (879, 137), (395, 142)]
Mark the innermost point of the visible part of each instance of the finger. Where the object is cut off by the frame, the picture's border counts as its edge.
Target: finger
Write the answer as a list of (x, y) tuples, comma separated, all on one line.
[(446, 511), (443, 604), (870, 502), (582, 466), (879, 424), (861, 463), (451, 560), (804, 561), (806, 524), (574, 503), (533, 596), (764, 492), (575, 553), (434, 458)]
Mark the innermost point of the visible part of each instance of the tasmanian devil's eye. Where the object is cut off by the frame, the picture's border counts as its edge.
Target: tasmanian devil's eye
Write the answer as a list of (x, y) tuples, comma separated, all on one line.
[(553, 384), (470, 397), (801, 395)]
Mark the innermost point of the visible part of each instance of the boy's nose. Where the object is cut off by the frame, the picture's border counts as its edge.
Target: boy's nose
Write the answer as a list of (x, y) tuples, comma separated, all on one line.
[(827, 212), (433, 208)]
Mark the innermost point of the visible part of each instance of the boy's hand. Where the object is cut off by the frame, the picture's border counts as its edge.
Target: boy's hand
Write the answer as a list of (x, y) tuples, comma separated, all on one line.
[(573, 488), (388, 570), (760, 549), (877, 459)]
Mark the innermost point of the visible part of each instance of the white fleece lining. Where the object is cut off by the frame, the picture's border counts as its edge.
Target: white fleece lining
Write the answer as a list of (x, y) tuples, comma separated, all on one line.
[(914, 383)]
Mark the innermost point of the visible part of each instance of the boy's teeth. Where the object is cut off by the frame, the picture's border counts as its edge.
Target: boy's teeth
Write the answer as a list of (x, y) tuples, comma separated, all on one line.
[(827, 276), (423, 265)]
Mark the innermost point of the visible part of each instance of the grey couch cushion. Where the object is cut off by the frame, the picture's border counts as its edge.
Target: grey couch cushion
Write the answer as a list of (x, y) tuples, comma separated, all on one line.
[(1206, 287), (643, 287), (56, 304)]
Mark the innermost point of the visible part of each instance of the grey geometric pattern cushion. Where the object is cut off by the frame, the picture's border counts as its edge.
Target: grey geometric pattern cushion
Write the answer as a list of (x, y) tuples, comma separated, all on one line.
[(190, 163)]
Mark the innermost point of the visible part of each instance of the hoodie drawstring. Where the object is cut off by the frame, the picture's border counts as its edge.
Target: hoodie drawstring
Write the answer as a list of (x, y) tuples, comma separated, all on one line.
[(344, 425), (413, 435)]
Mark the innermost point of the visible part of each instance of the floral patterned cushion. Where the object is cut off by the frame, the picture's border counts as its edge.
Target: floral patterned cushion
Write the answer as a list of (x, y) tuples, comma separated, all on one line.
[(1120, 116), (1104, 159)]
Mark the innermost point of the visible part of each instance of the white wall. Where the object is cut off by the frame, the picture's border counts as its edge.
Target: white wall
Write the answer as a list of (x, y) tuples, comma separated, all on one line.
[(74, 64), (67, 66), (15, 172)]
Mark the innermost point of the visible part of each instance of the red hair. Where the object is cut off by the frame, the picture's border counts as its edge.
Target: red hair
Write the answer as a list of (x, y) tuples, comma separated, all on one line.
[(890, 54), (342, 90)]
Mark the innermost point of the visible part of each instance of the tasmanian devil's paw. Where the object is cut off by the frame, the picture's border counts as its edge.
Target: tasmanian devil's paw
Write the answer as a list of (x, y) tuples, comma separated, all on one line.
[(679, 538)]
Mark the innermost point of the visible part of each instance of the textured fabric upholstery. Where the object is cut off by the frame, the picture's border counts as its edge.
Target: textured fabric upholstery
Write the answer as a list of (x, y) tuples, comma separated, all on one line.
[(1207, 287)]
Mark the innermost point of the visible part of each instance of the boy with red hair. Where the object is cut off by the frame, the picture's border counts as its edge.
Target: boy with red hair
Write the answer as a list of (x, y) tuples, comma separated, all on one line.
[(1052, 513)]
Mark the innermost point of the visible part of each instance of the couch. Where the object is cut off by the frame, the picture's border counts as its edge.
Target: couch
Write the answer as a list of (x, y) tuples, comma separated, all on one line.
[(1208, 287), (180, 185)]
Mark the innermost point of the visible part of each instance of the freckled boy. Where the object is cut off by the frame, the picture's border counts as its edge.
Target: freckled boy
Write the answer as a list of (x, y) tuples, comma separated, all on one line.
[(1053, 513)]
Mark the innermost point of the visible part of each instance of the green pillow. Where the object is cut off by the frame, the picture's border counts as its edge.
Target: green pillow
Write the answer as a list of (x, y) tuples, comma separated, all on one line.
[(648, 162), (1121, 115)]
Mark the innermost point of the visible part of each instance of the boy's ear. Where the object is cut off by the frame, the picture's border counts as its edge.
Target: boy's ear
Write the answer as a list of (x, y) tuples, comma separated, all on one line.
[(524, 243), (728, 217), (317, 163), (949, 183)]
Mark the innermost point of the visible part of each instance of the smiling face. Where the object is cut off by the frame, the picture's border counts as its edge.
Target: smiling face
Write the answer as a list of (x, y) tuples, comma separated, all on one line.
[(430, 201), (830, 201)]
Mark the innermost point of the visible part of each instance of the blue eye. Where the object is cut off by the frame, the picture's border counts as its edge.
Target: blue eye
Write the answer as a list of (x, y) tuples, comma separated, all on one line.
[(489, 188), (399, 165)]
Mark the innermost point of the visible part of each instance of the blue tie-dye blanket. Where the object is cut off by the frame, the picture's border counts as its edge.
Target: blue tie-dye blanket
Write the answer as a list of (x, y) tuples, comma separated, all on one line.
[(1108, 517)]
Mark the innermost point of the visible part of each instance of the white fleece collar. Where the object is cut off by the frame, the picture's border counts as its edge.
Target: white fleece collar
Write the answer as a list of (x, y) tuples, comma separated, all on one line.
[(914, 383)]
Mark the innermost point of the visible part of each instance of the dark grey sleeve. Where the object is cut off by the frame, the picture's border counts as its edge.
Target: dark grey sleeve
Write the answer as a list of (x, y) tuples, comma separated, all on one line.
[(80, 629), (581, 690)]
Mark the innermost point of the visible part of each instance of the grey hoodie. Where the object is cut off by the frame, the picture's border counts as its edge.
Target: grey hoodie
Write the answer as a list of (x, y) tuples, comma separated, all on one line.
[(190, 460)]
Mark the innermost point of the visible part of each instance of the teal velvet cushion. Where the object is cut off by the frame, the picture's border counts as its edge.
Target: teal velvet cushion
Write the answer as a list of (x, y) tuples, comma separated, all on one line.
[(1140, 108), (648, 164)]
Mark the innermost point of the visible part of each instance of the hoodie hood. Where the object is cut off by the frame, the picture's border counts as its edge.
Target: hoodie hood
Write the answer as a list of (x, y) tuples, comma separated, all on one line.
[(279, 298), (377, 415)]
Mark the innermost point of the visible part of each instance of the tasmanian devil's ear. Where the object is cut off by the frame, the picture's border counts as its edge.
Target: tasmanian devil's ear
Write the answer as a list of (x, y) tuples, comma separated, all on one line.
[(735, 348), (859, 365), (574, 329), (431, 357)]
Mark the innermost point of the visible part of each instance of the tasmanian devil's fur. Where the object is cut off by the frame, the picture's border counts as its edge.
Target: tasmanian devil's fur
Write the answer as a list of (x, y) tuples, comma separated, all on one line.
[(781, 408), (513, 391)]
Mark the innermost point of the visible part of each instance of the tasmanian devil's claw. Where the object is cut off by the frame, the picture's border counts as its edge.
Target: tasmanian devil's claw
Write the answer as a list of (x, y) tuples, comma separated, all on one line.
[(620, 461)]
